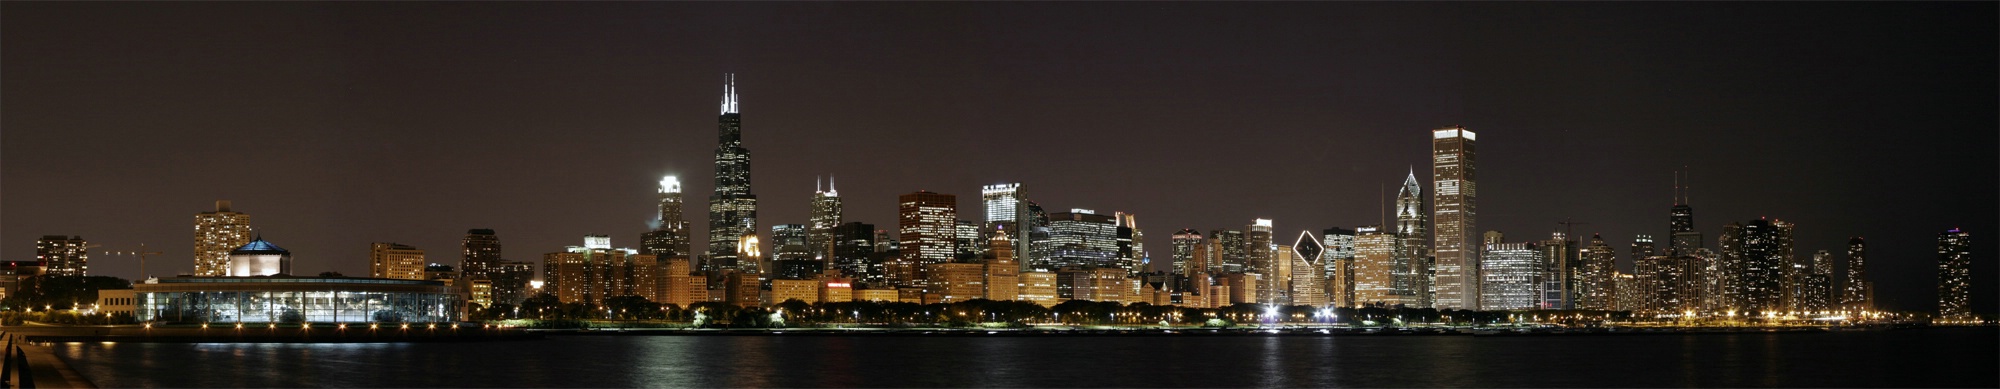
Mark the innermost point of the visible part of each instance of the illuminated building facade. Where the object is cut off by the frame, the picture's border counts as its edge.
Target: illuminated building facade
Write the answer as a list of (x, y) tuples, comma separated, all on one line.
[(1184, 242), (63, 255), (1339, 259), (1375, 268), (854, 252), (1308, 271), (928, 225), (1260, 258), (398, 261), (1954, 251), (1413, 245), (511, 281), (671, 236), (215, 233), (1082, 238), (479, 254), (1595, 276), (1511, 276), (261, 258), (732, 209), (1859, 293), (1756, 255), (826, 215), (1454, 171)]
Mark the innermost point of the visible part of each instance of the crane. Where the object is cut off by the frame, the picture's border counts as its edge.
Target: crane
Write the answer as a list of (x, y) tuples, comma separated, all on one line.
[(141, 253)]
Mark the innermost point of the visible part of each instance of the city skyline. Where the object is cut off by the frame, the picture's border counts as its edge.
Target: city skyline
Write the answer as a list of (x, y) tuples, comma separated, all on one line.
[(1532, 172)]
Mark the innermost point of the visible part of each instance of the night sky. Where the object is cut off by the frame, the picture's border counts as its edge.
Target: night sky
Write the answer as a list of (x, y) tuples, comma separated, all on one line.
[(338, 124)]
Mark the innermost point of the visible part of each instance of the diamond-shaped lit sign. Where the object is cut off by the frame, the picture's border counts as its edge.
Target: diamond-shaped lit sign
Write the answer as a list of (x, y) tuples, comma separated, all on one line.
[(1308, 249)]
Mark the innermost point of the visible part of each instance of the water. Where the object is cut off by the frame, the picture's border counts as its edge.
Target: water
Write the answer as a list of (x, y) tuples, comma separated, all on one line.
[(1911, 358)]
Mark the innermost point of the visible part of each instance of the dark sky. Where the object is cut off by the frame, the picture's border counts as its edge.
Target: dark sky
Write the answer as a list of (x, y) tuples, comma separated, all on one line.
[(339, 124)]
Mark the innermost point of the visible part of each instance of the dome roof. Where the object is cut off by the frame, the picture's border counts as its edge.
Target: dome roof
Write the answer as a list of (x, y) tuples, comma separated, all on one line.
[(259, 246)]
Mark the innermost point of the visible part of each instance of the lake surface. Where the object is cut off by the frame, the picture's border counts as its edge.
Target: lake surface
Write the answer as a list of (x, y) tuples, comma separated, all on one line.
[(1964, 357)]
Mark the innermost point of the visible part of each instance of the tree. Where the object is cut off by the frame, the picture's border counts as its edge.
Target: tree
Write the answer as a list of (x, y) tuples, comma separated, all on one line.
[(62, 292)]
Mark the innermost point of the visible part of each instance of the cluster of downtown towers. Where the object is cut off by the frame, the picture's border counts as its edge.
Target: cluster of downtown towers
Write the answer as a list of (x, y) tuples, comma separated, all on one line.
[(1432, 256)]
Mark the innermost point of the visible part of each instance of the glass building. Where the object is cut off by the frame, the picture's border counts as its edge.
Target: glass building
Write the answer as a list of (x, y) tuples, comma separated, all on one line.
[(1511, 276), (291, 299)]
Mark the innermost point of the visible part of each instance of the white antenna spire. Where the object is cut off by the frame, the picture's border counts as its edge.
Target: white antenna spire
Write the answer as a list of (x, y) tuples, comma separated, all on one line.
[(728, 93)]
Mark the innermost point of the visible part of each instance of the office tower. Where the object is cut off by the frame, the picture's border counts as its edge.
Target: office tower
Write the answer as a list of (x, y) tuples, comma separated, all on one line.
[(1559, 271), (1954, 274), (967, 243), (1683, 239), (1308, 271), (1131, 242), (480, 253), (928, 224), (510, 281), (1083, 238), (1511, 276), (1412, 243), (1595, 276), (1234, 250), (1339, 260), (1258, 254), (854, 252), (732, 210), (1813, 290), (1454, 170), (1755, 258), (1642, 246), (792, 256), (1375, 268), (1007, 211), (63, 255), (1859, 293), (1003, 279), (1002, 203), (671, 238), (391, 260), (1184, 242), (956, 281), (826, 215), (215, 233)]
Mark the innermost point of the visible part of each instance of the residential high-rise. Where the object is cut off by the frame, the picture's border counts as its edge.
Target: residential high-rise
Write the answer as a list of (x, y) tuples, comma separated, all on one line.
[(595, 271), (215, 233), (1413, 245), (1184, 243), (732, 209), (391, 260), (1511, 276), (480, 253), (1339, 260), (1755, 257), (1596, 275), (1559, 271), (928, 224), (63, 255), (826, 215), (1454, 170), (671, 238), (1859, 293), (511, 281), (1954, 251)]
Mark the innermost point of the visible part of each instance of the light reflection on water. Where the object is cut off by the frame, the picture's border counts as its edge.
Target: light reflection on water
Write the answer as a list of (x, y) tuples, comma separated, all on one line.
[(1957, 357)]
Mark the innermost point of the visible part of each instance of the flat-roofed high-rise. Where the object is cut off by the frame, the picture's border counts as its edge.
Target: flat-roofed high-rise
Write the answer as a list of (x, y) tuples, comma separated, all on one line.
[(215, 233), (1454, 171)]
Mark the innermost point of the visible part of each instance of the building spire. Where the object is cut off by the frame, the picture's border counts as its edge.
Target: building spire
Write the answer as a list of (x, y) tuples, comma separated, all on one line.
[(728, 93)]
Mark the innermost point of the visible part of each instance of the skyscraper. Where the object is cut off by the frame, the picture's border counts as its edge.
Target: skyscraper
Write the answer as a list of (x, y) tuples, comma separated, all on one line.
[(1257, 251), (1511, 277), (1413, 245), (1859, 293), (63, 255), (1559, 271), (1454, 169), (928, 224), (1682, 238), (826, 214), (1002, 202), (1954, 274), (671, 238), (1083, 238), (1595, 276), (1339, 260), (215, 233), (1756, 257), (1133, 242), (1234, 250), (1374, 268), (1184, 243), (1308, 286), (391, 260), (854, 252), (732, 210), (479, 255)]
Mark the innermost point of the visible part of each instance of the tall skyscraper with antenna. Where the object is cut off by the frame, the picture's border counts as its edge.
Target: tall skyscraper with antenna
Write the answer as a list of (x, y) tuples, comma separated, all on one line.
[(1682, 238), (1454, 170), (732, 209), (826, 213)]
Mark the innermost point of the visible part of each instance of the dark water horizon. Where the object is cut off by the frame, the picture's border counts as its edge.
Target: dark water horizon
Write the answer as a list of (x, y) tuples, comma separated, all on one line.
[(1957, 357)]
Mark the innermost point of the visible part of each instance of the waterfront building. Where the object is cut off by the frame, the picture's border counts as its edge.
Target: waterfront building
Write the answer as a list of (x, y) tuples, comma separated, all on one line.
[(743, 289), (1595, 276), (1629, 294), (1375, 268), (595, 271), (1308, 272), (826, 215), (1039, 286), (955, 281), (215, 234), (479, 254), (681, 287), (440, 272), (13, 272), (928, 224), (1511, 276), (1413, 245), (732, 209), (1454, 170), (1954, 250), (1259, 259), (1859, 293), (804, 290), (1755, 256), (854, 252), (259, 296), (393, 260), (1339, 259), (671, 237), (511, 280), (1559, 289), (63, 255), (1003, 280), (261, 258)]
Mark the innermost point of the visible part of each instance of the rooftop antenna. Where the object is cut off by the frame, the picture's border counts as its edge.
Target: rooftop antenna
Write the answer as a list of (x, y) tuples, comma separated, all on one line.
[(1381, 193)]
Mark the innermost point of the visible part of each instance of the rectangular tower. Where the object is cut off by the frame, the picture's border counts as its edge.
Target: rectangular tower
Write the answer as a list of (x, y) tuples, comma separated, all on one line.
[(1454, 170), (215, 233), (63, 255), (928, 224)]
